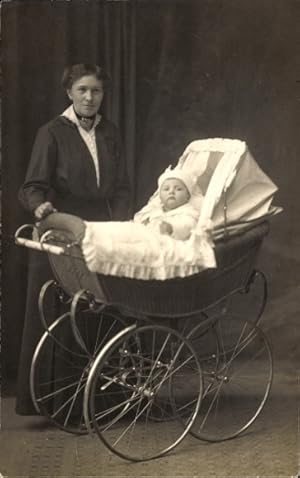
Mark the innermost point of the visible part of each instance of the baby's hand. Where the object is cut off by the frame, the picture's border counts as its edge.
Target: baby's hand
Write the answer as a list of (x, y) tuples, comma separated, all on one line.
[(43, 210), (166, 228)]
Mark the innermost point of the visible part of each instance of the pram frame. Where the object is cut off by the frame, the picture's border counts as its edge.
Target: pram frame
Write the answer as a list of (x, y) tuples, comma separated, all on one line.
[(102, 300)]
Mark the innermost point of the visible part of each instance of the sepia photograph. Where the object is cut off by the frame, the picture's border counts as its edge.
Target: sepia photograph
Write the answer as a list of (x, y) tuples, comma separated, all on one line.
[(150, 272)]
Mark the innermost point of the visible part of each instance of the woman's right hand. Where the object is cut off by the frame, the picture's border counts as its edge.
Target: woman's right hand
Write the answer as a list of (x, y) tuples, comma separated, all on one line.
[(43, 210)]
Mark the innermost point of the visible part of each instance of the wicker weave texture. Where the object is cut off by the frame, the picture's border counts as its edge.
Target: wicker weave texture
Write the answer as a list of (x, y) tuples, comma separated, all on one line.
[(174, 297)]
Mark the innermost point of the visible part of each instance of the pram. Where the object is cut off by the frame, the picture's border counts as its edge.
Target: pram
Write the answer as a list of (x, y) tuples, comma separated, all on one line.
[(124, 354)]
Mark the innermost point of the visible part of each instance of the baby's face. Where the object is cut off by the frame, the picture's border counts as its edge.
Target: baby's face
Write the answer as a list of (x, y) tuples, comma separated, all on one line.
[(173, 193)]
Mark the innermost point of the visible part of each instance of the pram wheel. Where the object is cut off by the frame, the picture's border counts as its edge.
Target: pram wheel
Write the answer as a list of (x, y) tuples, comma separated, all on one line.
[(205, 341), (60, 366), (240, 385), (144, 370)]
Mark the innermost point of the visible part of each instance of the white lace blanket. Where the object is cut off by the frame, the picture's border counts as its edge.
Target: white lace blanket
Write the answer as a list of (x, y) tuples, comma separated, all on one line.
[(130, 249)]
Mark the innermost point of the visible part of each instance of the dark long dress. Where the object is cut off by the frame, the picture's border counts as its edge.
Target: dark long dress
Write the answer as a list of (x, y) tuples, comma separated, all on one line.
[(61, 170)]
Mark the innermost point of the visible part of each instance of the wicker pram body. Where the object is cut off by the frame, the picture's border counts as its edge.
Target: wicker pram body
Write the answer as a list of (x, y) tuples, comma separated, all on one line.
[(235, 254)]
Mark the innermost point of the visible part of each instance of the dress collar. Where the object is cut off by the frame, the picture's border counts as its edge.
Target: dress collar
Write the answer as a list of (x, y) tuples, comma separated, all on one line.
[(70, 114)]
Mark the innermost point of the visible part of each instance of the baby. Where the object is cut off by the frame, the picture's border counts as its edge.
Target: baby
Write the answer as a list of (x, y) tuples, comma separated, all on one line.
[(175, 216)]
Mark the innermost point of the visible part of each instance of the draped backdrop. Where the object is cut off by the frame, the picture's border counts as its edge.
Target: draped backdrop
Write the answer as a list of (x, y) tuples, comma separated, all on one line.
[(181, 70)]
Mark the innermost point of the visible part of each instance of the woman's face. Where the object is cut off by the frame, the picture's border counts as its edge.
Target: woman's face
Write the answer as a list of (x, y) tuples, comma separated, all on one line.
[(86, 94)]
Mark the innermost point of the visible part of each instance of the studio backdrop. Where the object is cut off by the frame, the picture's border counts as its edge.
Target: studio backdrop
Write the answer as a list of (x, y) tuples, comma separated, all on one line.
[(181, 70)]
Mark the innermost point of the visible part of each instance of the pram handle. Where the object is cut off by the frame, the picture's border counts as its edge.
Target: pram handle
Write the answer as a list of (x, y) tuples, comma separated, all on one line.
[(37, 245)]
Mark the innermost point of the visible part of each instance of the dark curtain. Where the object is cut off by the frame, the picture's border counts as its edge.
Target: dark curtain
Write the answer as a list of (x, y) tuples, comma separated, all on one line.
[(181, 70), (40, 38)]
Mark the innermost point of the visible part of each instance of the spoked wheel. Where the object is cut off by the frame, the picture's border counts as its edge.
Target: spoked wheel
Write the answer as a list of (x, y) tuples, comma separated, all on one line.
[(143, 369), (60, 366), (241, 385), (205, 341)]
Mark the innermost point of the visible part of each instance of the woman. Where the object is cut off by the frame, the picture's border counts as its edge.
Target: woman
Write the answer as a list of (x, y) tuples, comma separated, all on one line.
[(76, 167), (76, 164)]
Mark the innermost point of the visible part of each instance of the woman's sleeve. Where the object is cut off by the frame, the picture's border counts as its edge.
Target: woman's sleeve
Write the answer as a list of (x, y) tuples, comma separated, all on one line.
[(120, 202), (40, 173)]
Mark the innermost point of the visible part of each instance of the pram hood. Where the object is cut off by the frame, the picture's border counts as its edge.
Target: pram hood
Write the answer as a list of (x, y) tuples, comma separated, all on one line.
[(236, 190)]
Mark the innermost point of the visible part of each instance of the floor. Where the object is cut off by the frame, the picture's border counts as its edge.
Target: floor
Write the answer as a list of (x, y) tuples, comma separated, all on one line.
[(31, 448)]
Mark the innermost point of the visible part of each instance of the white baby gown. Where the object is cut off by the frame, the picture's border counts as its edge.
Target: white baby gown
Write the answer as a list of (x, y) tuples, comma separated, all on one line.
[(131, 249), (183, 220)]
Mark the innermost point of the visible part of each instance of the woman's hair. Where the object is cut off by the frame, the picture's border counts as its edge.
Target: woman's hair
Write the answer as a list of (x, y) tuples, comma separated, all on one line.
[(73, 73)]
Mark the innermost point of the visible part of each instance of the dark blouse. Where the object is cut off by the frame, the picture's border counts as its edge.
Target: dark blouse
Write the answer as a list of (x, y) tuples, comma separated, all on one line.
[(61, 170)]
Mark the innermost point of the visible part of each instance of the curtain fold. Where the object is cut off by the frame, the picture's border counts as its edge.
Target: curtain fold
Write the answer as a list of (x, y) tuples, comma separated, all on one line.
[(40, 39), (120, 60)]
